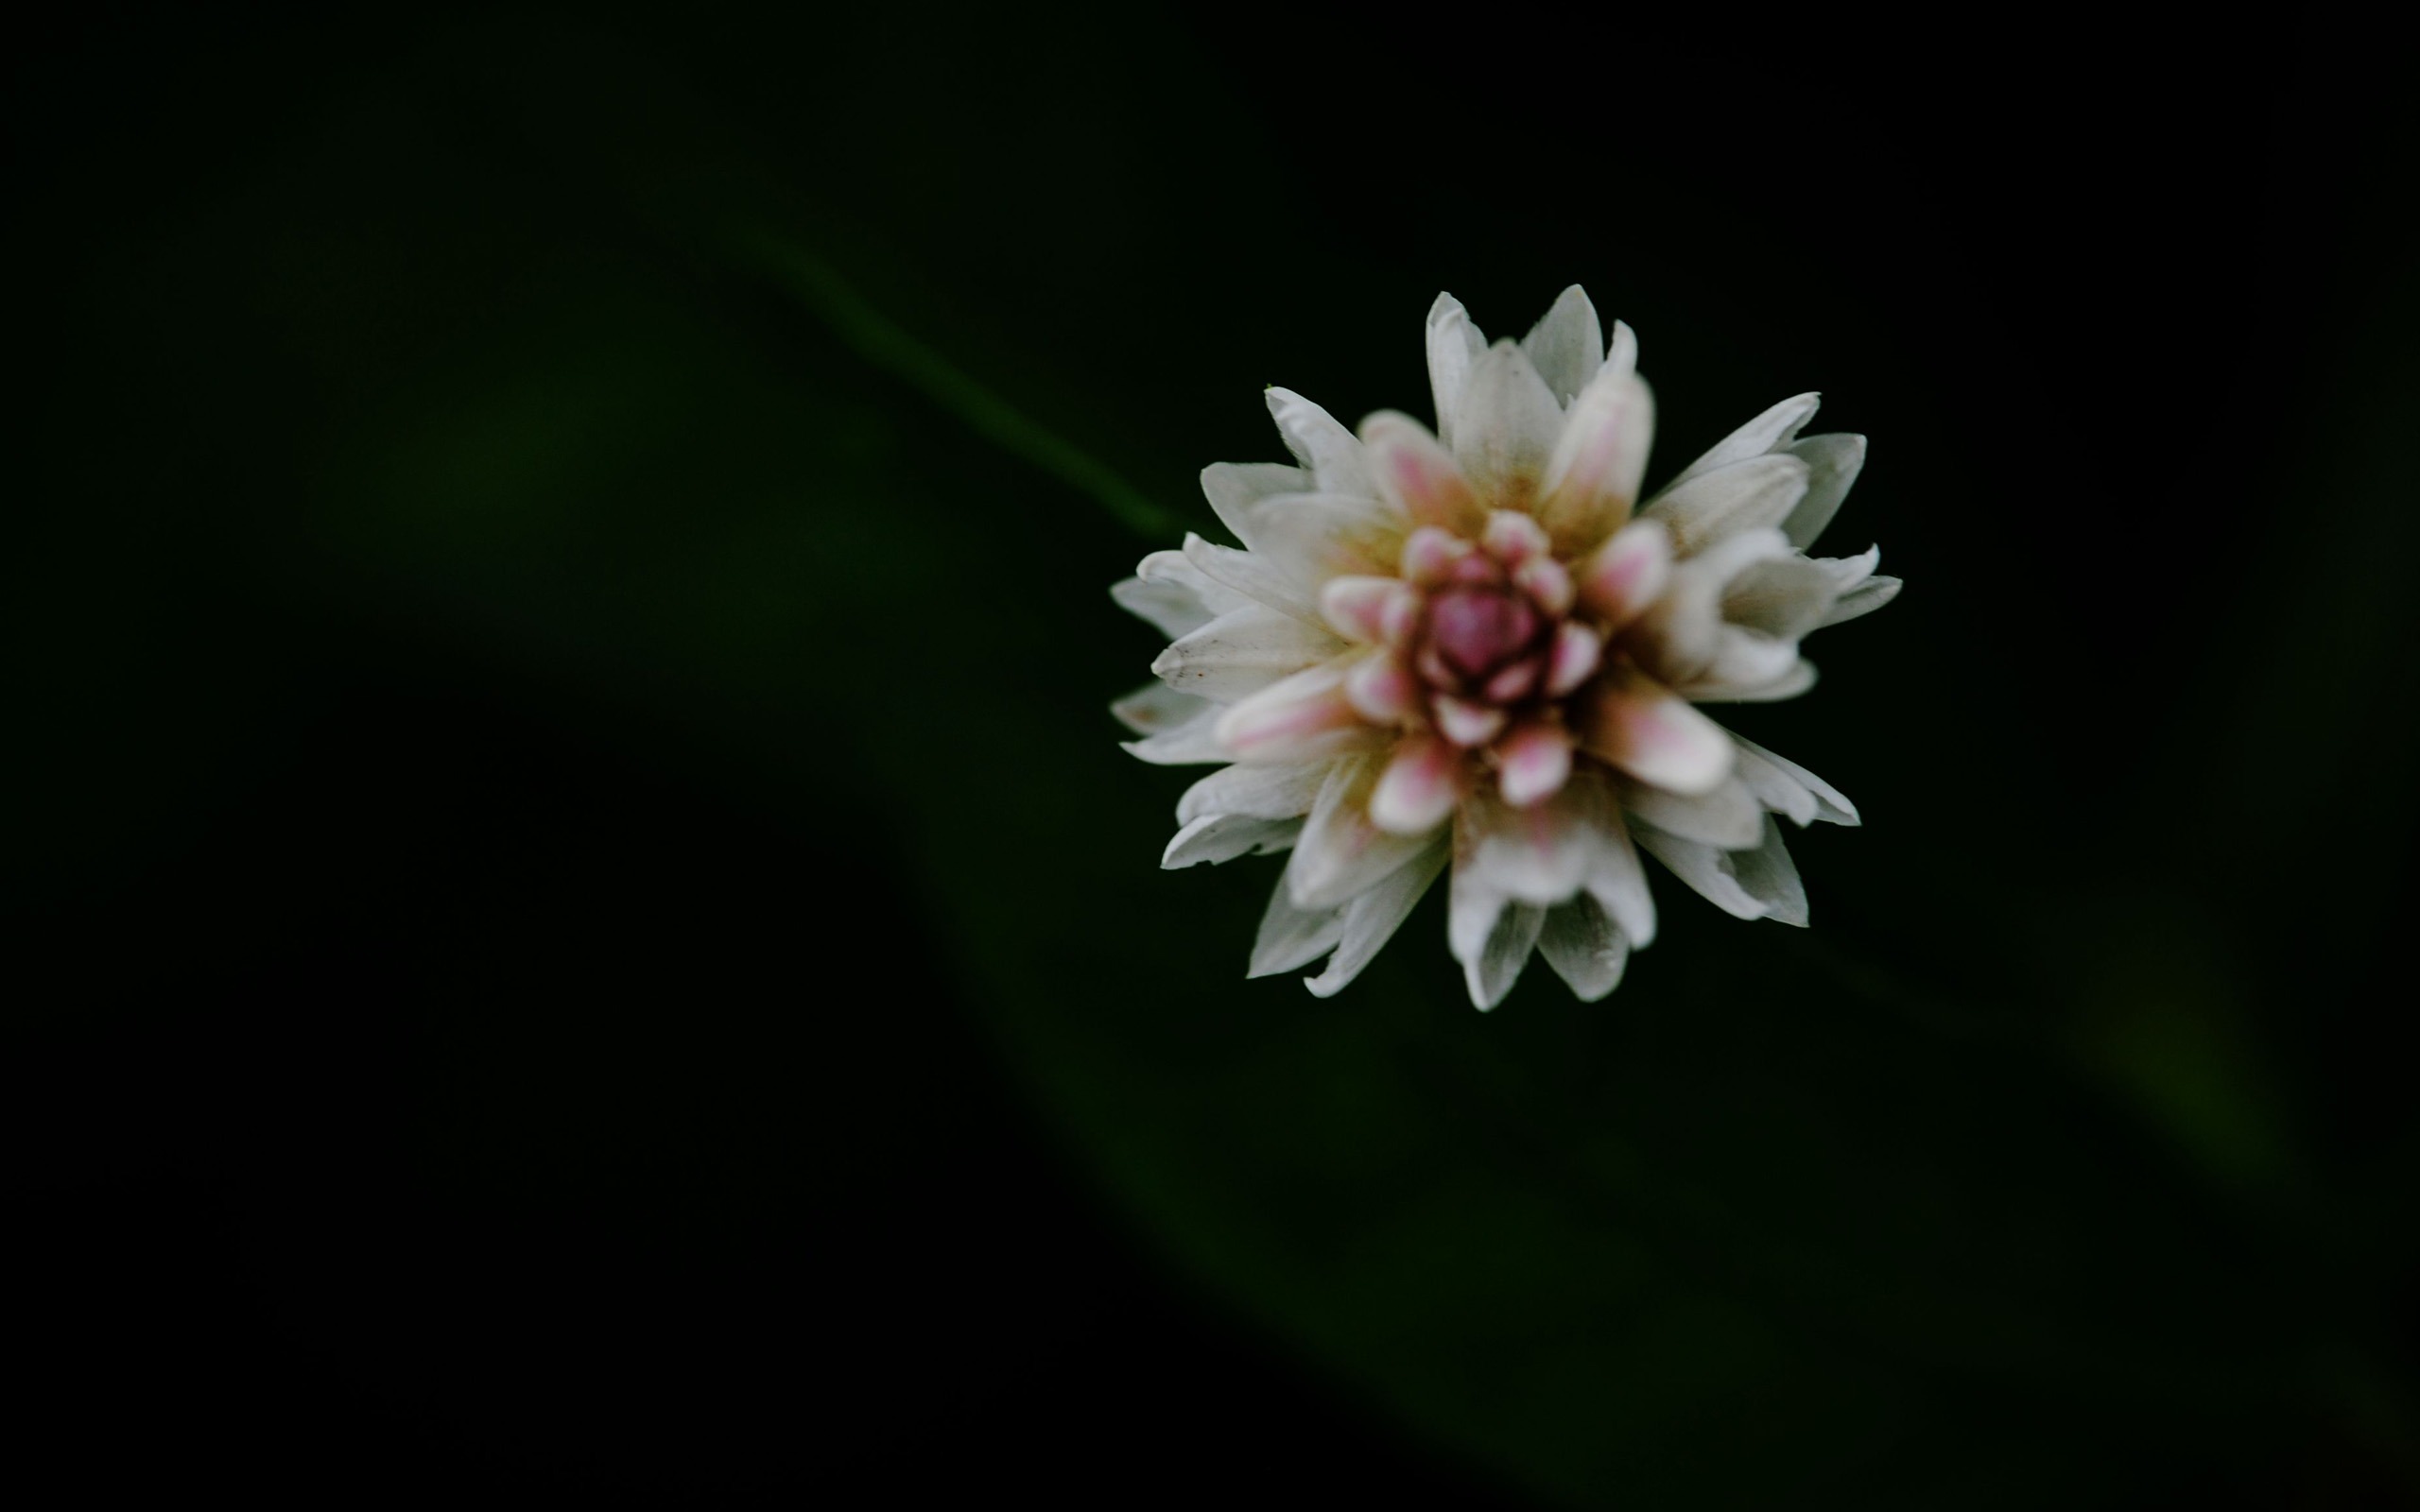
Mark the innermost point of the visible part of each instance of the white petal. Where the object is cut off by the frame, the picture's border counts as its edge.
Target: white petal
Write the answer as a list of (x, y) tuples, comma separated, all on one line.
[(1567, 346), (1372, 920), (1783, 598), (1506, 429), (1760, 883), (1592, 478), (1786, 787), (1423, 781), (1454, 345), (1800, 678), (1745, 667), (1491, 937), (1621, 349), (1172, 608), (1215, 837), (1833, 463), (1585, 946), (1775, 428), (1863, 599), (1266, 581), (1770, 877), (1618, 880), (1187, 744), (1641, 727), (1340, 853), (1536, 762), (1292, 936), (1237, 655), (1729, 818), (1715, 506), (1254, 791), (1299, 719), (1315, 536), (1705, 868), (1415, 472), (1540, 854), (1321, 443), (1850, 572), (1234, 488), (1155, 708), (1682, 631), (1627, 574)]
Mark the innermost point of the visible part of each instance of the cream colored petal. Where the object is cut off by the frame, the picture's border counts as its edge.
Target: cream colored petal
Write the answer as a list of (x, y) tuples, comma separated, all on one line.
[(1585, 947), (1292, 936), (1372, 918), (1773, 429), (1234, 488), (1863, 599), (1770, 877), (1424, 781), (1713, 507), (1833, 463), (1172, 608), (1745, 667), (1319, 441), (1216, 837), (1155, 708), (1540, 854), (1627, 574), (1191, 744), (1341, 853), (1592, 478), (1567, 346), (1491, 935), (1254, 791), (1506, 429), (1786, 787), (1791, 684), (1314, 537), (1415, 472), (1454, 347), (1637, 725), (1237, 655)]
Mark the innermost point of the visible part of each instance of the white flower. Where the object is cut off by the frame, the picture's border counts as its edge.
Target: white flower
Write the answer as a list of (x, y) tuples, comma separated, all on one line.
[(1468, 647)]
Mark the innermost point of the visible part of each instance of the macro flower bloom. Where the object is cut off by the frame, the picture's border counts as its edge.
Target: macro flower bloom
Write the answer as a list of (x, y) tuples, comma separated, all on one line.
[(1475, 648)]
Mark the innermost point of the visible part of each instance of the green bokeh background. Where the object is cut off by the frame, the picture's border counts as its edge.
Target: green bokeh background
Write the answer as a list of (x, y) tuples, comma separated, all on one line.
[(568, 820)]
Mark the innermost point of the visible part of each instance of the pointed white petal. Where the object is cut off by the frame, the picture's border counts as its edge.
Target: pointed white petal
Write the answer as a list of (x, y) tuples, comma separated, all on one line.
[(1454, 345), (1216, 837), (1592, 478), (1706, 869), (1850, 572), (1491, 968), (1321, 443), (1621, 349), (1415, 472), (1254, 791), (1266, 581), (1187, 744), (1712, 507), (1682, 631), (1506, 430), (1783, 598), (1340, 853), (1618, 880), (1172, 608), (1863, 599), (1155, 708), (1234, 488), (1301, 718), (1729, 818), (1567, 347), (1775, 428), (1238, 654), (1786, 787), (1635, 724), (1585, 947), (1292, 936), (1372, 920), (1540, 854), (1833, 463), (1745, 667), (1770, 876)]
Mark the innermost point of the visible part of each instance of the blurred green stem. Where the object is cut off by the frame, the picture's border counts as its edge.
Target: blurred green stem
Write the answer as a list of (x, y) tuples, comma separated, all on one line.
[(879, 340)]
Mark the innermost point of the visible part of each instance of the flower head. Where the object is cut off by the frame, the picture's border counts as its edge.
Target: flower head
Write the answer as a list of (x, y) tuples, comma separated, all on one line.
[(1475, 648)]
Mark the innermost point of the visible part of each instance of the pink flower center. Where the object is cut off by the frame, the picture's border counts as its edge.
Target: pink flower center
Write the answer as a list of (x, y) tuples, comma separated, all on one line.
[(1477, 631)]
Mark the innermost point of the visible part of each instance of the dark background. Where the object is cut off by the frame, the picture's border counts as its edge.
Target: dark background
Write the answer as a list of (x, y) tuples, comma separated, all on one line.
[(577, 919)]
